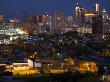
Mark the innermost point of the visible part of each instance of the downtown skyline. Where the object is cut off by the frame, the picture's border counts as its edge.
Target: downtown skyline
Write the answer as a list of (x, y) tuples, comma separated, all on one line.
[(15, 8), (54, 40)]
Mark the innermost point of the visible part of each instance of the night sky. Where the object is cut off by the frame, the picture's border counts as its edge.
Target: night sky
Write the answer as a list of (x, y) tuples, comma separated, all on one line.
[(15, 7)]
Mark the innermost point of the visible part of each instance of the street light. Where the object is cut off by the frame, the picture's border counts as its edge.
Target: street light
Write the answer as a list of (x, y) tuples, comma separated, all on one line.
[(58, 54)]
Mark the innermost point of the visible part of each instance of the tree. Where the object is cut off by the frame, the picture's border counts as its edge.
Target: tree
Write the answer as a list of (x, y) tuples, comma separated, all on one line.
[(2, 69), (33, 56)]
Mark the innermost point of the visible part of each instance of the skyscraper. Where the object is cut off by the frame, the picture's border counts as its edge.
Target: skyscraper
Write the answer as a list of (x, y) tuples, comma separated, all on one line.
[(25, 15), (88, 17), (106, 24), (104, 14), (69, 21), (78, 12), (1, 18), (13, 23), (97, 24), (97, 9), (47, 22), (41, 23), (58, 20)]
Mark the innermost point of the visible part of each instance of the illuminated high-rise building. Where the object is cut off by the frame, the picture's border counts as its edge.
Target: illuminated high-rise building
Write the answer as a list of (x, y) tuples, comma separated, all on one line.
[(30, 24), (106, 25), (45, 17), (41, 22), (47, 22), (80, 13), (40, 19), (1, 18), (104, 14), (58, 20), (88, 17), (44, 23), (13, 23), (69, 21), (97, 9)]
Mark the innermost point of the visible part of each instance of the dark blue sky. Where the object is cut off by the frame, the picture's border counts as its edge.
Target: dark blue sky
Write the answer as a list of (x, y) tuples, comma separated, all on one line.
[(16, 7)]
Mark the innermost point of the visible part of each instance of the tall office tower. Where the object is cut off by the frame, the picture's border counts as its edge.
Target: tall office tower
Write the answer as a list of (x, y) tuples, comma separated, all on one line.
[(69, 21), (32, 19), (40, 24), (97, 9), (58, 20), (88, 17), (25, 15), (14, 23), (29, 24), (45, 17), (47, 23), (104, 15), (97, 24), (40, 19), (1, 18), (80, 13), (83, 11), (106, 25)]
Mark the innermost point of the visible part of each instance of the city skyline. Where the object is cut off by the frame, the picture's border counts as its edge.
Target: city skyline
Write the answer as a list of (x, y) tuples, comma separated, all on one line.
[(15, 8), (54, 41)]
